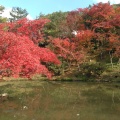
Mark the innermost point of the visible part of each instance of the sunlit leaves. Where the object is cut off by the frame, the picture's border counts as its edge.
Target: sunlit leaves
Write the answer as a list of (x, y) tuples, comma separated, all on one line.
[(19, 56), (30, 28)]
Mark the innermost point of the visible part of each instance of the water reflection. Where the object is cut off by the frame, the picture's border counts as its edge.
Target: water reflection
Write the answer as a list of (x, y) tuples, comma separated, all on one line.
[(60, 101)]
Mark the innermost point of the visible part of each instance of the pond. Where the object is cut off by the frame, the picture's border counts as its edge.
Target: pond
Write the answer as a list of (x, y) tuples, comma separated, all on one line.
[(44, 100)]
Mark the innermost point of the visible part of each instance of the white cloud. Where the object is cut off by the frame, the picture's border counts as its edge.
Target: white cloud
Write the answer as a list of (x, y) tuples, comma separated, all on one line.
[(111, 1), (29, 17), (6, 14)]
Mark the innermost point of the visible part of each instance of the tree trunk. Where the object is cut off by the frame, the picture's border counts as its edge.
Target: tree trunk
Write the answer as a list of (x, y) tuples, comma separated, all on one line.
[(119, 64), (111, 59)]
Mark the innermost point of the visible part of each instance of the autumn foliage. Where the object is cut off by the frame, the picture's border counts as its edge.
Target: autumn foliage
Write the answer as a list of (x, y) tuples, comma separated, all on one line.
[(98, 28), (30, 28), (19, 56), (97, 34)]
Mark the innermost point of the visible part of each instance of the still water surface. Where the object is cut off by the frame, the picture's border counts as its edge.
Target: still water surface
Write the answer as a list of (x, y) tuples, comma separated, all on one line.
[(60, 101)]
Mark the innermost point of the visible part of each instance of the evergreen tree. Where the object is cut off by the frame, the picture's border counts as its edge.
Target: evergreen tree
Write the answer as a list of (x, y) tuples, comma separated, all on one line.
[(1, 9), (55, 27), (18, 13), (2, 19)]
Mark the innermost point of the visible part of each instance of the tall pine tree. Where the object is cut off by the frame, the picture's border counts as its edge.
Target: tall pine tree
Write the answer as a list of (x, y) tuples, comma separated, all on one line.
[(18, 13)]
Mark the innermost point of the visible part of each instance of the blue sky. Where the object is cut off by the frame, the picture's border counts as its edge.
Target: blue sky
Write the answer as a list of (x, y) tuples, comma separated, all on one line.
[(34, 7)]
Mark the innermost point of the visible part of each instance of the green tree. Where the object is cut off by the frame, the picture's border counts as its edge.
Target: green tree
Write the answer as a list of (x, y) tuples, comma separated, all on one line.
[(1, 9), (18, 13), (54, 28), (2, 19)]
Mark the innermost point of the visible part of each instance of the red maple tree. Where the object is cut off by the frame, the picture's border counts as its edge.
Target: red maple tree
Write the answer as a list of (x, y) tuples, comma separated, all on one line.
[(97, 29), (19, 56), (31, 28)]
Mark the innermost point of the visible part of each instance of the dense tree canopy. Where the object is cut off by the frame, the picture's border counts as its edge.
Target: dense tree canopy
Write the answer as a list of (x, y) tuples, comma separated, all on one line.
[(19, 55), (31, 28), (55, 26), (97, 34), (75, 37)]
